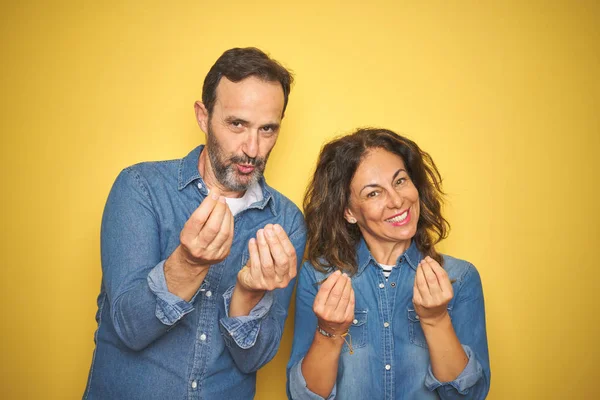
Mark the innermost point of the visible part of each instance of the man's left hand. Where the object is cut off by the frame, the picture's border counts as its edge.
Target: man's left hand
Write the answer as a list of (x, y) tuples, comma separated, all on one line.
[(272, 263)]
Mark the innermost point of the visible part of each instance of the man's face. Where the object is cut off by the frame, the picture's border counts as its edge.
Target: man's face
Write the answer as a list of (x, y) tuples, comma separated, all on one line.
[(242, 130)]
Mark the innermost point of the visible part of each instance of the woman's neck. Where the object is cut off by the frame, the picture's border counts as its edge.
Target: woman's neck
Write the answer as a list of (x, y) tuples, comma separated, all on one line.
[(386, 252)]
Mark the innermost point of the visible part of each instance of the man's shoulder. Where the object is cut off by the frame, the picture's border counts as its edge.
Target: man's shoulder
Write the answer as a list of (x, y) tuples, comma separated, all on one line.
[(150, 168), (282, 202), (288, 213), (150, 173)]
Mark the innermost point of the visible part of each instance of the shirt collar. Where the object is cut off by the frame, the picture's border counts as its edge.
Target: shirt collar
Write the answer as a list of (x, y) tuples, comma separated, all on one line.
[(188, 168), (188, 173), (412, 256)]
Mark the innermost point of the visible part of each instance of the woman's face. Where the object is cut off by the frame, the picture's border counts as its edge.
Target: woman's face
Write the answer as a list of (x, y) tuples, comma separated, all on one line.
[(383, 199)]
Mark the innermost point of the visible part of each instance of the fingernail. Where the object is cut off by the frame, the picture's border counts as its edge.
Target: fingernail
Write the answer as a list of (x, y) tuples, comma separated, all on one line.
[(277, 228), (337, 273), (214, 195), (269, 232), (345, 274), (222, 199)]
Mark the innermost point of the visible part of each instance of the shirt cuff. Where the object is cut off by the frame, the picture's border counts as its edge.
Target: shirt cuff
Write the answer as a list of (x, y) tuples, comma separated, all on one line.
[(298, 388), (169, 307), (244, 330), (467, 378)]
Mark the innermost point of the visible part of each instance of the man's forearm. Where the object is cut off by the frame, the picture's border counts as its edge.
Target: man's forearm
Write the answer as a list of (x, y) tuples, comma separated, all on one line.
[(183, 278)]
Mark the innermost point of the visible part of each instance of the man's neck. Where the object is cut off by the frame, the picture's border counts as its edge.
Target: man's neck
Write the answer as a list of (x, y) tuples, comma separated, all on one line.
[(208, 175)]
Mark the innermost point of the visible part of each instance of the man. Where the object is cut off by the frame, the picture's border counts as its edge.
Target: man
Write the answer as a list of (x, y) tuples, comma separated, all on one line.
[(199, 255)]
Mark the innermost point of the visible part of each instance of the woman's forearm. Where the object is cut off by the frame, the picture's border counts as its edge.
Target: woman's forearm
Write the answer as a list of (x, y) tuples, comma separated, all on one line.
[(448, 358), (320, 365)]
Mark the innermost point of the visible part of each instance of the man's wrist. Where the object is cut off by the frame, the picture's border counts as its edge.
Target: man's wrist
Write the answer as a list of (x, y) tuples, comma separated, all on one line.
[(183, 279), (243, 300), (180, 265), (248, 294)]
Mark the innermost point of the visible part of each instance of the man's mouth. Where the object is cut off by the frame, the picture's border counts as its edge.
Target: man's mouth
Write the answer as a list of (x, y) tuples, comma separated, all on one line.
[(245, 168), (399, 219)]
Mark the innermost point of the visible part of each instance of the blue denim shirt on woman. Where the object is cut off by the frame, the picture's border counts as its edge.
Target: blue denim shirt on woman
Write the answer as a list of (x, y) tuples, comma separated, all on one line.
[(391, 359), (151, 344)]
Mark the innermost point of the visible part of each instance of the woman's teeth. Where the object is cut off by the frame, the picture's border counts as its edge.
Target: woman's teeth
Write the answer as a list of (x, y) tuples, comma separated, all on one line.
[(399, 218)]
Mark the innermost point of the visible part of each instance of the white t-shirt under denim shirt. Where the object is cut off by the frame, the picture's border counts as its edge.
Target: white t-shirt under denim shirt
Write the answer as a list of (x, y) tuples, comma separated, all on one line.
[(239, 204)]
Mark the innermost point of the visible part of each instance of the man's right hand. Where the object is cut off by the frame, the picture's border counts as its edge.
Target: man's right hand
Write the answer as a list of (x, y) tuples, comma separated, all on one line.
[(207, 235), (205, 240)]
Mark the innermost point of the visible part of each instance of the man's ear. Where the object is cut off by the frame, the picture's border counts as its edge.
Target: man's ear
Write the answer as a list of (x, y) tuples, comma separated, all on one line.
[(201, 116), (348, 216)]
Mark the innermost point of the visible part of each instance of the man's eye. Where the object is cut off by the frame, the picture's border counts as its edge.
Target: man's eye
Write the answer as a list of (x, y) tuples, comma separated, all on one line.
[(237, 124)]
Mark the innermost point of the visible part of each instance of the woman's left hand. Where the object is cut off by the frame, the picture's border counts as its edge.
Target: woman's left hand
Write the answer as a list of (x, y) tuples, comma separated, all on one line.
[(432, 292)]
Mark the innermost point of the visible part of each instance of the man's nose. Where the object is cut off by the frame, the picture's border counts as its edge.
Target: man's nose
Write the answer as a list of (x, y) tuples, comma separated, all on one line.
[(251, 145)]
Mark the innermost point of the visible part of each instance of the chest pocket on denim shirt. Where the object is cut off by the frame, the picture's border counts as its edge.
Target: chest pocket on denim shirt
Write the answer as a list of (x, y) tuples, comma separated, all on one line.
[(358, 331), (415, 331)]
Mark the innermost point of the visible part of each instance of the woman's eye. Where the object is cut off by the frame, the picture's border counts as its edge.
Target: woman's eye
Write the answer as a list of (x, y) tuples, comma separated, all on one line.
[(400, 181), (372, 194)]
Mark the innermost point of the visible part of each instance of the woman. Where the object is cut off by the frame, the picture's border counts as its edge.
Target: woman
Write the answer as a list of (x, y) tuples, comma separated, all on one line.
[(380, 314)]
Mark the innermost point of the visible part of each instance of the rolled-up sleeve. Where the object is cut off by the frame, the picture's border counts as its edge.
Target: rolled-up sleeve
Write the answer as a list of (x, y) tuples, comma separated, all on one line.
[(244, 330), (169, 307), (297, 385), (467, 378)]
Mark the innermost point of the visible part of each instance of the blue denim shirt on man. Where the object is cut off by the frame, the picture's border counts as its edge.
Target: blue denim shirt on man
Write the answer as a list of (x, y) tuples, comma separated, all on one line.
[(391, 359), (151, 344)]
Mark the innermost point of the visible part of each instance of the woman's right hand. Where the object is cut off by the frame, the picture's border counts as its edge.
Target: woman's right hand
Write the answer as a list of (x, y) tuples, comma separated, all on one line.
[(334, 304)]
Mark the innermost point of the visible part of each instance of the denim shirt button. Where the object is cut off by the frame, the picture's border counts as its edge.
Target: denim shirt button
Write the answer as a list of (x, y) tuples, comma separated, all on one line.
[(200, 186), (208, 294), (386, 324), (393, 284), (194, 385), (381, 286), (203, 337), (355, 322), (388, 367)]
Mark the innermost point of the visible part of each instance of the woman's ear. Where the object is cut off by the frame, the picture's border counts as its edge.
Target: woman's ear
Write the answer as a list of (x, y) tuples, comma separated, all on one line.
[(348, 216)]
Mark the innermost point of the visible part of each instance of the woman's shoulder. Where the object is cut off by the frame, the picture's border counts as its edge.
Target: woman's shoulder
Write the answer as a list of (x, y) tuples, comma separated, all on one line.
[(313, 272), (457, 268), (464, 274)]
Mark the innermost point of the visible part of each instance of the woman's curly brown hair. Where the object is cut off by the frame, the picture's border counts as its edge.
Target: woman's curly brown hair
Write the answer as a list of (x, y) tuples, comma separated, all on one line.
[(331, 241)]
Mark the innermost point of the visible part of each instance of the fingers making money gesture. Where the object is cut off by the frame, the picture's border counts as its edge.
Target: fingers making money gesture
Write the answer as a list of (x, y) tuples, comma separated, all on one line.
[(432, 291), (272, 263), (334, 304), (207, 235)]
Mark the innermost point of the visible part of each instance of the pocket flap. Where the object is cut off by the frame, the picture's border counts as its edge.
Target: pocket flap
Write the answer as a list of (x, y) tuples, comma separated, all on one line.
[(360, 317)]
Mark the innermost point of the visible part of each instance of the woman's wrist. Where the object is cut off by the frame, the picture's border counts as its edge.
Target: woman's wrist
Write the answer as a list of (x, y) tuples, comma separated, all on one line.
[(439, 321)]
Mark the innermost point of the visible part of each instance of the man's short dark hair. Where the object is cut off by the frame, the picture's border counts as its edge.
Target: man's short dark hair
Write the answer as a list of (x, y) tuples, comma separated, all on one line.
[(240, 63)]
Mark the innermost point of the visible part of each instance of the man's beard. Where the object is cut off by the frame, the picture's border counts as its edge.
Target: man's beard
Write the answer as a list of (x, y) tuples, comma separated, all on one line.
[(225, 169)]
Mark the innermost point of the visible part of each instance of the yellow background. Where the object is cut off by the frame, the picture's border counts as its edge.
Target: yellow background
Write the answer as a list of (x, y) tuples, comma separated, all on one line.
[(505, 96)]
